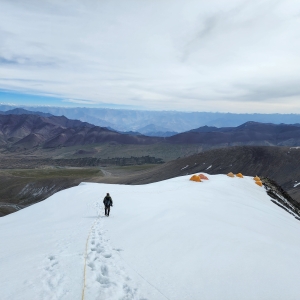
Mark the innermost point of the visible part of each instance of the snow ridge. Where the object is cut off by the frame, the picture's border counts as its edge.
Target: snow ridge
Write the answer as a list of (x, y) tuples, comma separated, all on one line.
[(174, 239)]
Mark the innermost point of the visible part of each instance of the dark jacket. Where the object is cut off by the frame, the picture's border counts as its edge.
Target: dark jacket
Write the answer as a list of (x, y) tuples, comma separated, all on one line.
[(108, 201)]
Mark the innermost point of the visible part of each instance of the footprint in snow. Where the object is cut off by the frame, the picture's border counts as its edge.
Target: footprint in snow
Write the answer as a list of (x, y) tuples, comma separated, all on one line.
[(118, 249), (52, 280), (107, 255), (106, 277), (104, 270)]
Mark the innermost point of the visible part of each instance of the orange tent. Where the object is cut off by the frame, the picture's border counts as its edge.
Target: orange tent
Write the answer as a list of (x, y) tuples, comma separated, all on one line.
[(240, 175), (203, 177), (195, 178), (259, 183), (230, 174), (256, 178)]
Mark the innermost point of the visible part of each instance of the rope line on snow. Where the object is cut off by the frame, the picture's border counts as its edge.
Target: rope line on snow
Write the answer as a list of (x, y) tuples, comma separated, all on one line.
[(85, 257), (143, 277)]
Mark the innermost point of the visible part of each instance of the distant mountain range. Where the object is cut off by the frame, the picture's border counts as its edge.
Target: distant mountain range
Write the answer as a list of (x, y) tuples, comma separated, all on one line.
[(250, 133), (158, 123), (26, 131), (21, 111), (149, 130), (154, 130)]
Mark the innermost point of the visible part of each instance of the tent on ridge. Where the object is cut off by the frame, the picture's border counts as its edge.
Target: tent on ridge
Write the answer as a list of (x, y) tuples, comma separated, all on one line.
[(230, 174), (256, 178), (240, 175), (195, 178), (259, 183), (203, 177)]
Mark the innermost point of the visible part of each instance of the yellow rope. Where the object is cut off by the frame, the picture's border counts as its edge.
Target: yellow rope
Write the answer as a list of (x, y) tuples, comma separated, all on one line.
[(85, 257)]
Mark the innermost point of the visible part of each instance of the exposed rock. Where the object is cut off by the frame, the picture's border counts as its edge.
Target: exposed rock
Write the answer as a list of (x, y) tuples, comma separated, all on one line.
[(281, 197)]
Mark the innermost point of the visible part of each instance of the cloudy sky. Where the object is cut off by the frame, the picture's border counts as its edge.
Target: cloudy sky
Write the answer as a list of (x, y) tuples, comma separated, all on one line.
[(226, 56)]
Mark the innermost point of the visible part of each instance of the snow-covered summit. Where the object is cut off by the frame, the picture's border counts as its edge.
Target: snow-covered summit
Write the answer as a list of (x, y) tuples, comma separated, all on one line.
[(176, 239)]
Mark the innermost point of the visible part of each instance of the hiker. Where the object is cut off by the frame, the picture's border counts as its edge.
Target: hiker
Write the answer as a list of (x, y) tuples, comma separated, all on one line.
[(107, 201)]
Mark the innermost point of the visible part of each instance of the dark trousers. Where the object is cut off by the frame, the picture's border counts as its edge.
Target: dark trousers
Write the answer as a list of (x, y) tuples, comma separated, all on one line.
[(107, 210)]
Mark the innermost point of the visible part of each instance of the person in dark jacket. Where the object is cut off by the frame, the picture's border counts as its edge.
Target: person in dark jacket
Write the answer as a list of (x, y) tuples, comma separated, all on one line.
[(107, 201)]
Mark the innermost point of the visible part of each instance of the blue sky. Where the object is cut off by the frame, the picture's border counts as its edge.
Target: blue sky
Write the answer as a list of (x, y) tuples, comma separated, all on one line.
[(22, 99), (192, 55)]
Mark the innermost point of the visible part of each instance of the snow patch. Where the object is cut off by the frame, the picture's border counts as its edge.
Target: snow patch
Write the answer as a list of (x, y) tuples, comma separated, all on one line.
[(185, 167)]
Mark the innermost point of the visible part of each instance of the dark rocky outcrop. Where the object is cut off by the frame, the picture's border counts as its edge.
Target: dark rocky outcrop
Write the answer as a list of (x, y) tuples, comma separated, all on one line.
[(280, 197)]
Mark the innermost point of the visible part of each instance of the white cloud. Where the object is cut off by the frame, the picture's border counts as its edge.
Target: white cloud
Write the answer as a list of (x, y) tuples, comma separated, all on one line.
[(238, 56), (79, 101)]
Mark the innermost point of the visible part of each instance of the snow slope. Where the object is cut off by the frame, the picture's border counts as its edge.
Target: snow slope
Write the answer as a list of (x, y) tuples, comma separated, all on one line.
[(175, 239)]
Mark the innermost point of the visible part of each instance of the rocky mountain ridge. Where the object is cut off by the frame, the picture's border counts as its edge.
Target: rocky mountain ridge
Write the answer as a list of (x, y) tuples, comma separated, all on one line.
[(29, 131), (26, 131), (249, 133), (22, 111), (133, 120)]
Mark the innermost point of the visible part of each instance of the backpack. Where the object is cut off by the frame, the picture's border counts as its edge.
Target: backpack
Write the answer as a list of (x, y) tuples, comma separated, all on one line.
[(107, 201)]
